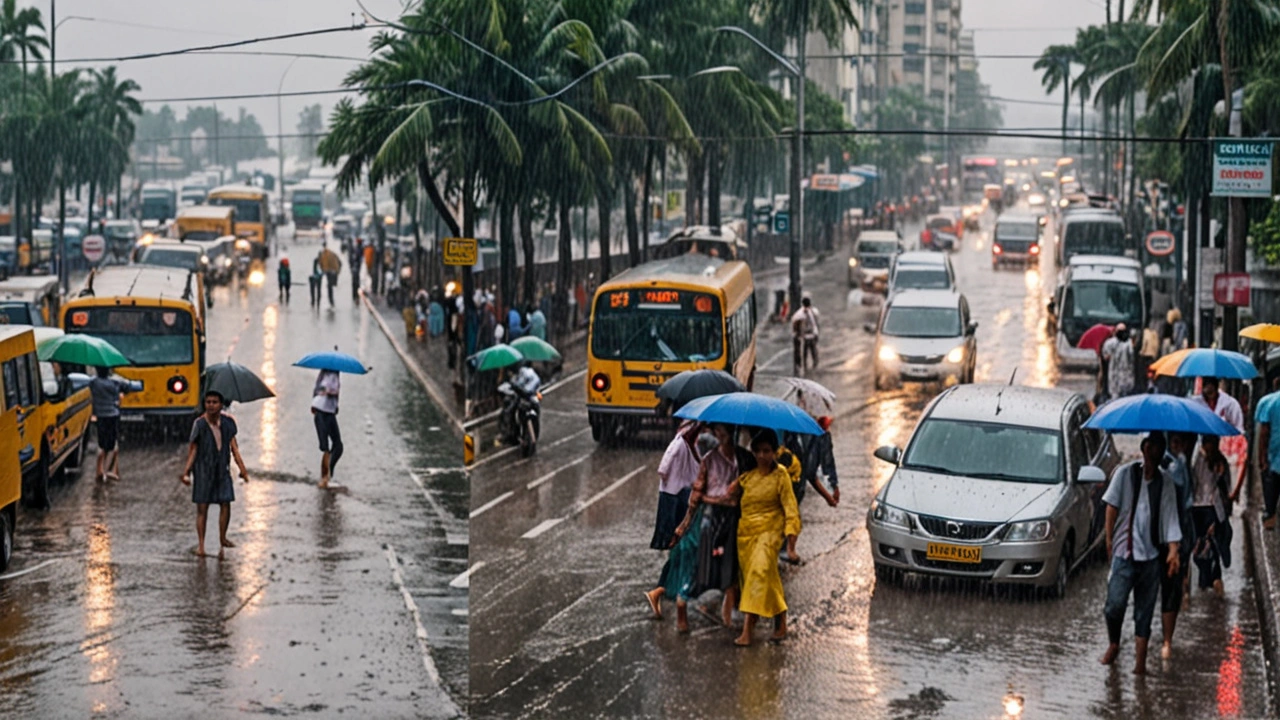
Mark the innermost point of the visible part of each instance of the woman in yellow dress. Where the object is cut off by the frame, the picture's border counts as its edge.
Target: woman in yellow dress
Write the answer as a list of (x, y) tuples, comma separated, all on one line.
[(768, 507)]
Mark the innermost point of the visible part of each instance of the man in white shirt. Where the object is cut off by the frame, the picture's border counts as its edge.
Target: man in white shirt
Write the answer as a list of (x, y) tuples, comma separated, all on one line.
[(1141, 522), (324, 410), (1228, 408), (804, 335)]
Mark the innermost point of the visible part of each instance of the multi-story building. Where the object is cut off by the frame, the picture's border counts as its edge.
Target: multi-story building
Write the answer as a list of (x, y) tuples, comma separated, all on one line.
[(917, 46)]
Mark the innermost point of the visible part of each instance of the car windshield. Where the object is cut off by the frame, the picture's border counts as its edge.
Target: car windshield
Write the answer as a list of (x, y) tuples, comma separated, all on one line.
[(877, 247), (1104, 302), (184, 259), (18, 313), (119, 231), (986, 450), (247, 210), (922, 278), (1089, 237), (147, 337), (201, 235), (1018, 230), (924, 322)]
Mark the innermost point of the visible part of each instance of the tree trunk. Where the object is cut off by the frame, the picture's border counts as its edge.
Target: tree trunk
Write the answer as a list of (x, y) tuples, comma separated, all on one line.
[(693, 190), (713, 183), (1120, 12), (89, 229), (564, 265), (1066, 108), (530, 254), (507, 253), (633, 226), (646, 189), (604, 200)]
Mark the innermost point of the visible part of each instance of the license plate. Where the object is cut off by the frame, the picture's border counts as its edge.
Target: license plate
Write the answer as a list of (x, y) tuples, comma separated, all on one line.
[(916, 371), (954, 553), (132, 418)]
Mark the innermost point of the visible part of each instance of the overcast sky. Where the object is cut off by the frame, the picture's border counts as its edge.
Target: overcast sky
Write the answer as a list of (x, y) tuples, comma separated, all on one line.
[(1002, 27)]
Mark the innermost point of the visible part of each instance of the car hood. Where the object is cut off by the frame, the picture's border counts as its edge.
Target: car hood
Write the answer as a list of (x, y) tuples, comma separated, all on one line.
[(970, 498), (921, 346)]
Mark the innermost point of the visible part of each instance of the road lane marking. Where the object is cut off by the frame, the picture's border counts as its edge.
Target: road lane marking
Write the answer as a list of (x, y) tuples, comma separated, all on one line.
[(420, 631), (579, 508), (490, 505), (535, 483), (774, 359), (463, 581), (607, 583), (459, 612), (444, 516), (24, 571), (542, 527)]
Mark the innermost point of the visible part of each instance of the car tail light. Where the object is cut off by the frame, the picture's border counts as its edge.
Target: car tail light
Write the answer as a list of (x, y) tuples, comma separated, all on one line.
[(177, 385), (1035, 249), (600, 382), (997, 249)]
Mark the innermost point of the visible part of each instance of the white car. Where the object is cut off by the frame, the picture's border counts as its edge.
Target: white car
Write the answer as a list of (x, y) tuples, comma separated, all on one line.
[(924, 336)]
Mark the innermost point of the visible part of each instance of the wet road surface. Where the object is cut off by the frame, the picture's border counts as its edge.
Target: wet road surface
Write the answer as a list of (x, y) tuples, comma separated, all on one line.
[(560, 561), (331, 603)]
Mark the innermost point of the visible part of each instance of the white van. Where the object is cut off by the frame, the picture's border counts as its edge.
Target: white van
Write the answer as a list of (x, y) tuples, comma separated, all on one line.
[(1094, 290)]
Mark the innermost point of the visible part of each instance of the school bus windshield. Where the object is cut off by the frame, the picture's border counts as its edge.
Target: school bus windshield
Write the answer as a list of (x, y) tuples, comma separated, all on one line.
[(18, 313), (147, 336), (657, 326), (247, 209)]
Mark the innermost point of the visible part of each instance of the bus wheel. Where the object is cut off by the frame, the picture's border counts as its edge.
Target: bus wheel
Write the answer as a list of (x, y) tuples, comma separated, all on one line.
[(597, 429), (76, 459), (39, 495), (6, 537)]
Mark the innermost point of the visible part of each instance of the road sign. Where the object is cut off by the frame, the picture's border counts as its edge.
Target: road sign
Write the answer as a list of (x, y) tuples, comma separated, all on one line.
[(1160, 243), (1231, 289), (93, 247), (460, 251), (782, 222), (1241, 168), (825, 182)]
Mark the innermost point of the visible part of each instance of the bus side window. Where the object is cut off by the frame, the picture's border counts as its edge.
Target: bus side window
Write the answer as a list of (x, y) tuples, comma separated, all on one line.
[(10, 384), (26, 396), (753, 313), (33, 373)]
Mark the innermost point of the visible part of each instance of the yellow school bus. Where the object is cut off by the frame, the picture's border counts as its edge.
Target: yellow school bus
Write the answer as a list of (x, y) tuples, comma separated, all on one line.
[(205, 222), (17, 345), (153, 315), (55, 420), (655, 320), (253, 216)]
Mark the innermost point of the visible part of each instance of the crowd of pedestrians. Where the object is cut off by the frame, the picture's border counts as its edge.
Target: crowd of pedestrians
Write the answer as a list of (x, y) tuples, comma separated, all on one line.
[(728, 514)]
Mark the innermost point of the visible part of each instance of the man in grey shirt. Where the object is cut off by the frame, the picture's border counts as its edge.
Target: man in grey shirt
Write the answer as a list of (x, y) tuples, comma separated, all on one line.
[(1141, 524), (105, 392)]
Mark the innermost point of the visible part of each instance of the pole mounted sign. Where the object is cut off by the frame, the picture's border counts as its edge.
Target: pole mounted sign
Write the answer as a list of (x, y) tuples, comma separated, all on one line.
[(1160, 243), (1241, 168), (460, 251)]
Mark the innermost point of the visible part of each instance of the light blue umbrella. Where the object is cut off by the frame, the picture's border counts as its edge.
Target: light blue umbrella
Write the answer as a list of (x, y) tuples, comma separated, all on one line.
[(333, 360), (744, 408), (1165, 413)]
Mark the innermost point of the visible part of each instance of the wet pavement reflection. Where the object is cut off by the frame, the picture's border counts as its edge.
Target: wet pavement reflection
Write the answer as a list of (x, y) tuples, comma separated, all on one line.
[(561, 559), (106, 612)]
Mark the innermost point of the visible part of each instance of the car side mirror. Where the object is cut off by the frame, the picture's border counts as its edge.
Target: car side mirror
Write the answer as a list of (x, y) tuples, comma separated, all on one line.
[(869, 328), (888, 453), (972, 328), (1091, 474)]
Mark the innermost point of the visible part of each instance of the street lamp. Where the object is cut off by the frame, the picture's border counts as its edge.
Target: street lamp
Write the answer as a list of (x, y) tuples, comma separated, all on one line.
[(797, 156), (280, 142)]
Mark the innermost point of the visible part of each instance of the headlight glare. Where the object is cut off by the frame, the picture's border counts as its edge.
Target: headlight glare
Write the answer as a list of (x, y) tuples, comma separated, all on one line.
[(887, 353), (956, 354), (853, 262), (1029, 531)]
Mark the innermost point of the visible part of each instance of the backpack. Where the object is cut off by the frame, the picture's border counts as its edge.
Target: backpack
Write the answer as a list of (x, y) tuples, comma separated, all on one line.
[(1154, 490)]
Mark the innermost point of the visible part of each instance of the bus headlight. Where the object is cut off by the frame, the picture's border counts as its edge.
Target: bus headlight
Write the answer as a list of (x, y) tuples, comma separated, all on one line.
[(600, 382), (956, 354), (177, 385)]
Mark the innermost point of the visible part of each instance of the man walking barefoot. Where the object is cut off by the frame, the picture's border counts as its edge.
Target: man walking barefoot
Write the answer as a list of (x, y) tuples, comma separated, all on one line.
[(1142, 519), (209, 454)]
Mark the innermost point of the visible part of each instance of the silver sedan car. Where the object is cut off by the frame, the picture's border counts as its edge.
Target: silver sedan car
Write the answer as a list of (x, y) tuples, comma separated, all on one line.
[(998, 482)]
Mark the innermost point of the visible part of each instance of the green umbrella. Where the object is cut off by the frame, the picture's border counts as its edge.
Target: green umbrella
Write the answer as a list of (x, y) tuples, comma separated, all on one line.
[(536, 349), (79, 349), (498, 356)]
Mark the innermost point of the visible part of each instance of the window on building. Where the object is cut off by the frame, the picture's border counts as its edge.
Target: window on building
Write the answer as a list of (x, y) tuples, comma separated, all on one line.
[(936, 94), (913, 64), (913, 30), (911, 48), (941, 4), (940, 28), (914, 8)]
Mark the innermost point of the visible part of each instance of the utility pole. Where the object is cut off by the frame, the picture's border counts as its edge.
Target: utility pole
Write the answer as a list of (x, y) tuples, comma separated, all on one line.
[(797, 183), (1237, 229), (280, 140)]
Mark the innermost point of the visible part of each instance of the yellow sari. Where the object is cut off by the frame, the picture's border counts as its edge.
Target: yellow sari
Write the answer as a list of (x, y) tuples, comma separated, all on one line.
[(769, 512)]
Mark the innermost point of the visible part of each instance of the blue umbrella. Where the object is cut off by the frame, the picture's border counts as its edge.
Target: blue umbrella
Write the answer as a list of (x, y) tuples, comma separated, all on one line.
[(1207, 362), (1166, 413), (744, 408), (333, 360)]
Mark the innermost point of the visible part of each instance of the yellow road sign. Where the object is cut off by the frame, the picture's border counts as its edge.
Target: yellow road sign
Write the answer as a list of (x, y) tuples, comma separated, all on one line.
[(460, 251)]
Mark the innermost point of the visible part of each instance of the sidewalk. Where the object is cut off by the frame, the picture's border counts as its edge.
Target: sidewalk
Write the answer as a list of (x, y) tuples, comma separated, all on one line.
[(1264, 565)]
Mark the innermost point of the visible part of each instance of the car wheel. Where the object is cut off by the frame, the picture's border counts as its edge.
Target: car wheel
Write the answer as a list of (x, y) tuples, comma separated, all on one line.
[(597, 430), (39, 485), (1063, 572), (6, 537), (76, 459)]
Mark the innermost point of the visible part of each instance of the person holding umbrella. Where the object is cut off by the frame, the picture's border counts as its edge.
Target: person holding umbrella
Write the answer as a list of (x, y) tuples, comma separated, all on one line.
[(105, 392), (324, 406), (768, 515), (208, 468)]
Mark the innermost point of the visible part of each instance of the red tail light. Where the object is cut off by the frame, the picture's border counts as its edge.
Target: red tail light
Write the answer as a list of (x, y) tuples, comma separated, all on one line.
[(177, 384), (1035, 249), (600, 382), (997, 249)]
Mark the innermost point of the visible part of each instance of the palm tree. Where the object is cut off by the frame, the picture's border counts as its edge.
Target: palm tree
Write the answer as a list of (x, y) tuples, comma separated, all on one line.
[(18, 38), (112, 109), (1056, 61)]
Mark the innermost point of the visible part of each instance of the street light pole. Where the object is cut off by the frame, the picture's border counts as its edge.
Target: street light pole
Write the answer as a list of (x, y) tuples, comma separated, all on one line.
[(797, 151), (280, 140)]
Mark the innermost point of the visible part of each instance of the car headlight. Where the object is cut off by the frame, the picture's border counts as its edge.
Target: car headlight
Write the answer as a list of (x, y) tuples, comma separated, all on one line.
[(890, 515), (956, 354), (1030, 530), (887, 353), (853, 262)]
